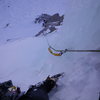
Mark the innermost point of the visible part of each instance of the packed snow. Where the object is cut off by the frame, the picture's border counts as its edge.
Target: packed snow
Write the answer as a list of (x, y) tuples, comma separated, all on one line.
[(25, 59)]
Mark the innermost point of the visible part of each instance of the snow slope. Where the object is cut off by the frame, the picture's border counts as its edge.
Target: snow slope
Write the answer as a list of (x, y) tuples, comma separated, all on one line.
[(26, 60)]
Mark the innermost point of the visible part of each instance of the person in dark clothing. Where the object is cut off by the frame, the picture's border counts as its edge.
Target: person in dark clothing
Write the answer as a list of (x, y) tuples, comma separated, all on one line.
[(8, 91), (33, 94), (39, 91), (99, 95)]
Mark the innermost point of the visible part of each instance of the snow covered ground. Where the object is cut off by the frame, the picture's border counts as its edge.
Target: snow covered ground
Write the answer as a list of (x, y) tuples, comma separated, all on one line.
[(25, 59)]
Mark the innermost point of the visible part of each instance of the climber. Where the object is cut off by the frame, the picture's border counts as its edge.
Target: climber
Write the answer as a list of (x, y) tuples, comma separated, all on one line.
[(99, 95), (36, 92), (8, 91), (39, 91)]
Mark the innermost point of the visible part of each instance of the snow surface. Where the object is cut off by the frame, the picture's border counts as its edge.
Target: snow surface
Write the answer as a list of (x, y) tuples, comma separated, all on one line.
[(25, 59)]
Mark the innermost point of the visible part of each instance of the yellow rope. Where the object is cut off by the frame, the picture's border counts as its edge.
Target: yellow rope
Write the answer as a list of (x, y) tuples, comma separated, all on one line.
[(55, 54)]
